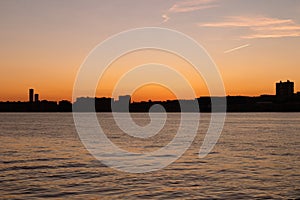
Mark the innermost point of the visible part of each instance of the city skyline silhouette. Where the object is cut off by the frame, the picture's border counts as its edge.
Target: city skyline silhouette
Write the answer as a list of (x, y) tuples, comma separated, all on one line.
[(285, 99)]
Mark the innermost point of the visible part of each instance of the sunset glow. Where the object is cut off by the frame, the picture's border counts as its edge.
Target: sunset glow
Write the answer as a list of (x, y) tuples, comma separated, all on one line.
[(43, 44)]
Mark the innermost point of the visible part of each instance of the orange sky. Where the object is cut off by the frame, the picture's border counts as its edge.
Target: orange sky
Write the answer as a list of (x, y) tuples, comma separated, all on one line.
[(44, 43), (125, 63)]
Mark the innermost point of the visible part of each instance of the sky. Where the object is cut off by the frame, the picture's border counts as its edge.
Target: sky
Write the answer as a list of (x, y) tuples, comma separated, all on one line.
[(44, 42)]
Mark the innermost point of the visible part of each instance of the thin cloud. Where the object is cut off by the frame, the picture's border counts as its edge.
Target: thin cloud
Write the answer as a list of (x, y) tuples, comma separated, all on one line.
[(253, 36), (192, 5), (188, 6), (281, 28), (236, 48), (240, 21), (260, 26)]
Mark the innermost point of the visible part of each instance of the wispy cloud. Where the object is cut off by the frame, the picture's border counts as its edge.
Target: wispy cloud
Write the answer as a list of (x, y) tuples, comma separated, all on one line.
[(236, 48), (192, 5), (260, 26), (241, 21), (188, 6)]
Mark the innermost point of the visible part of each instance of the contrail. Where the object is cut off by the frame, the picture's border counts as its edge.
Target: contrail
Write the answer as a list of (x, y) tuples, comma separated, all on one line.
[(237, 48)]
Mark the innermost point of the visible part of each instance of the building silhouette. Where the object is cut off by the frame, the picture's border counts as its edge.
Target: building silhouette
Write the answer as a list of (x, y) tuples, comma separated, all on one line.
[(89, 104), (31, 93), (285, 100), (36, 98), (122, 105), (285, 89), (125, 99)]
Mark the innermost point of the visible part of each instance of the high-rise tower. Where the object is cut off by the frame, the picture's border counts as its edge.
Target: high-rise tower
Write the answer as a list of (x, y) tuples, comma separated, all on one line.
[(31, 93), (36, 98)]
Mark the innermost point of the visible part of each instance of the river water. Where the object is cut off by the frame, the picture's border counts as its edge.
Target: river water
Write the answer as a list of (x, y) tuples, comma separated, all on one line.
[(257, 156)]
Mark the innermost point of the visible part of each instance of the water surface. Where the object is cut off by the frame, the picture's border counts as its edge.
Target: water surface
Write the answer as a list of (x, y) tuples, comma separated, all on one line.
[(257, 156)]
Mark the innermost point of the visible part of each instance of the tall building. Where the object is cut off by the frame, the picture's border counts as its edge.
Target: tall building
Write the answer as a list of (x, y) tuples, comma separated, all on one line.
[(31, 93), (285, 89), (36, 98)]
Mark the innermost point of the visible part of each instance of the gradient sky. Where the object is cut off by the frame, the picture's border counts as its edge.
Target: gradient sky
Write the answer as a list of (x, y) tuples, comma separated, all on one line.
[(43, 43)]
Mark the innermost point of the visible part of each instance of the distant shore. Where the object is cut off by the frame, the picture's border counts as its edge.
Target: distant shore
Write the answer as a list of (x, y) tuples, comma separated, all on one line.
[(264, 103)]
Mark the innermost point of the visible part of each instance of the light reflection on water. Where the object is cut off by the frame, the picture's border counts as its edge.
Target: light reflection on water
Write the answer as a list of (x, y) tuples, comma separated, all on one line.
[(257, 156)]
